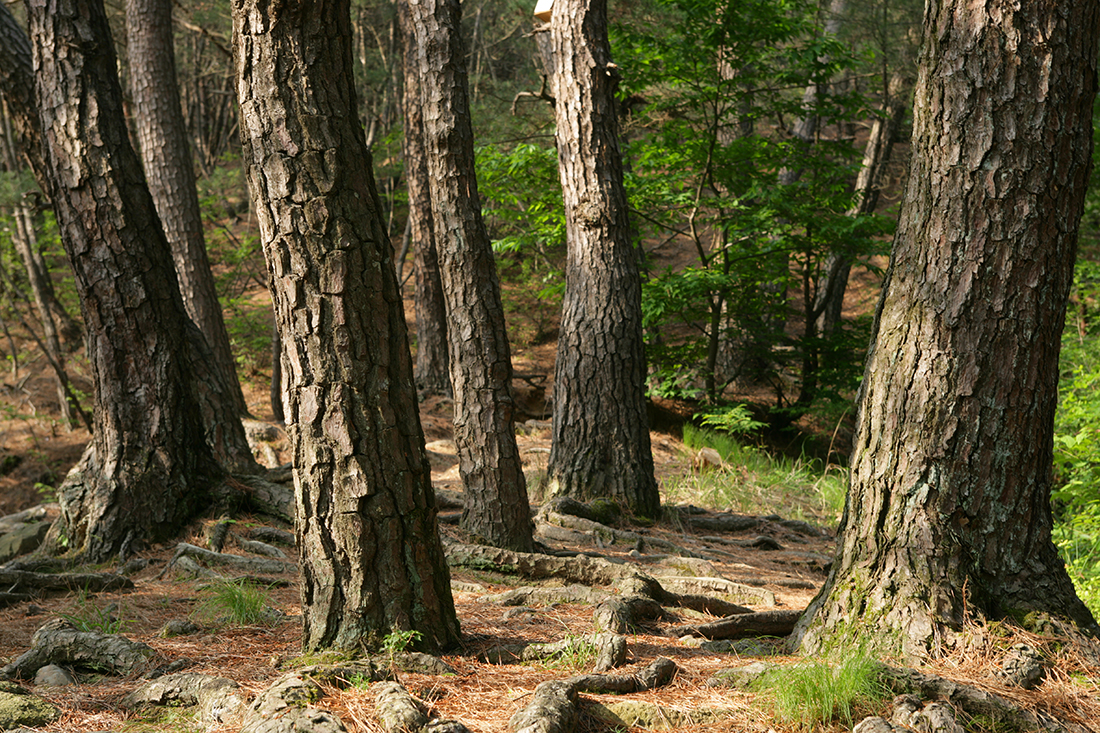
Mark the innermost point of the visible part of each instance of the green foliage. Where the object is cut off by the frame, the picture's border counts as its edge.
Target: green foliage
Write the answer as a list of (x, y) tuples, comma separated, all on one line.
[(815, 693), (735, 420), (239, 603), (1076, 493), (753, 481), (712, 163), (398, 641), (523, 209)]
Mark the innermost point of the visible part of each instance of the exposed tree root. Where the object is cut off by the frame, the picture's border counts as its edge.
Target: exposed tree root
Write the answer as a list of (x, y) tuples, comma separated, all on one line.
[(217, 698), (287, 707), (58, 643), (971, 700), (554, 706), (762, 623), (397, 710), (26, 581), (610, 651), (237, 562), (601, 535)]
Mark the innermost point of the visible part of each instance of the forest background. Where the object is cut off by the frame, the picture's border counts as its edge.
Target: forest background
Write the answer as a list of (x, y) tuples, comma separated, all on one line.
[(745, 207)]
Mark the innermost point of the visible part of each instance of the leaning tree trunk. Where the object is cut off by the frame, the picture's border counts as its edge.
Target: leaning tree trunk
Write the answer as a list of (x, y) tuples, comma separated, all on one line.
[(496, 509), (148, 467), (159, 122), (948, 512), (371, 557), (432, 367), (600, 445)]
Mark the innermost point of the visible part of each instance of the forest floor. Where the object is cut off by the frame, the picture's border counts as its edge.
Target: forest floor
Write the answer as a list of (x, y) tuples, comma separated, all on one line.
[(782, 563)]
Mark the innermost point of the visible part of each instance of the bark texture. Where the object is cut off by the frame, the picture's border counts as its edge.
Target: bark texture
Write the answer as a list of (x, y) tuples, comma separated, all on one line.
[(371, 559), (600, 442), (148, 468), (432, 364), (162, 137), (948, 511), (496, 508), (17, 86)]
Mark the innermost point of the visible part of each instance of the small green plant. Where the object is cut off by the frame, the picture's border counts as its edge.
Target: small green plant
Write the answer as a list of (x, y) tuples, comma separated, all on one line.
[(237, 602), (816, 693), (89, 617), (735, 420), (398, 641)]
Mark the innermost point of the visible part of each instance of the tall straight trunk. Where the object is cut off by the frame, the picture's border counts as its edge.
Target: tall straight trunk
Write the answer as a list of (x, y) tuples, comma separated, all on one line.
[(432, 363), (829, 302), (371, 558), (600, 445), (496, 508), (948, 511), (162, 136), (148, 468)]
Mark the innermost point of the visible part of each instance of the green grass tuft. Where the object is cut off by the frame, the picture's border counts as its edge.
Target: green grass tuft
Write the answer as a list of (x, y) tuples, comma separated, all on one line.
[(807, 696), (238, 603)]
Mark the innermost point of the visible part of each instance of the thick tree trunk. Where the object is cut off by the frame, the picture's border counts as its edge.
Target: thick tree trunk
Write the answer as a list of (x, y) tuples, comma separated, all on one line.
[(162, 137), (432, 364), (496, 508), (600, 442), (948, 512), (148, 468), (371, 557)]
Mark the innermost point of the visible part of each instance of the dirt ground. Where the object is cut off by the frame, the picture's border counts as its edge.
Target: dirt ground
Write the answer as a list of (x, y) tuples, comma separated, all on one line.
[(36, 451)]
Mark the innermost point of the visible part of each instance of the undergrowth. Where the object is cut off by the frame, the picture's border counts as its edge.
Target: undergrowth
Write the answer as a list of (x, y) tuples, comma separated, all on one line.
[(237, 603), (753, 481), (815, 693)]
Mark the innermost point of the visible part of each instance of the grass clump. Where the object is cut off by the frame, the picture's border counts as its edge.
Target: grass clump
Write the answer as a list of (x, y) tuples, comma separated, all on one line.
[(816, 693), (752, 481), (238, 603), (89, 617)]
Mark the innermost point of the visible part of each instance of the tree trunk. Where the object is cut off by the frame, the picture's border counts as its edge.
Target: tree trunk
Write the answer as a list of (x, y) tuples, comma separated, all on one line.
[(948, 511), (371, 557), (496, 509), (829, 303), (17, 86), (162, 136), (148, 468), (600, 442), (432, 367)]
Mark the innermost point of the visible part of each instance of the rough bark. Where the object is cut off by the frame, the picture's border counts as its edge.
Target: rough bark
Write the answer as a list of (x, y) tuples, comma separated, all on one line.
[(948, 512), (148, 468), (432, 362), (162, 138), (496, 507), (371, 558), (17, 86), (600, 439)]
